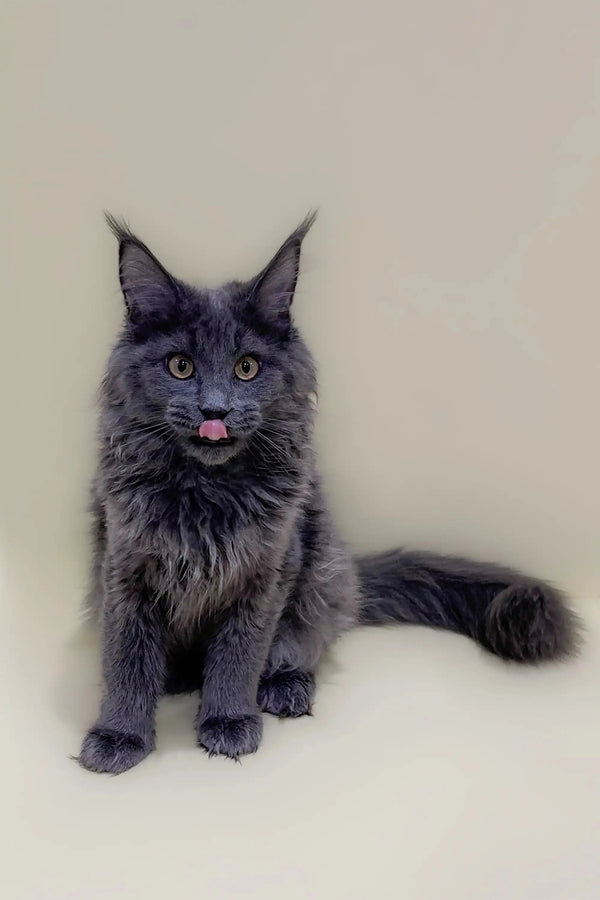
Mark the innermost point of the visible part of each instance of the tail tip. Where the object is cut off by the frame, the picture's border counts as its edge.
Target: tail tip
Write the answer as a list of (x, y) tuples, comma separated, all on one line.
[(531, 623)]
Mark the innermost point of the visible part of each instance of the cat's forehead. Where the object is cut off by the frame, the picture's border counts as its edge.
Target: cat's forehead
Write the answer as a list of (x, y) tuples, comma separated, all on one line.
[(220, 304), (213, 322), (219, 300), (213, 309)]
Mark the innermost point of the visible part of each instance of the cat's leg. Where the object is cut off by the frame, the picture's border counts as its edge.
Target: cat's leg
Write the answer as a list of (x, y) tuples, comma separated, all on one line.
[(229, 720), (322, 605), (94, 600), (134, 671), (287, 684)]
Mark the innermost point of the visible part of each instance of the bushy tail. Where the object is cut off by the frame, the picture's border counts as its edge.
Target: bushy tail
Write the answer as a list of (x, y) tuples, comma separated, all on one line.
[(509, 613)]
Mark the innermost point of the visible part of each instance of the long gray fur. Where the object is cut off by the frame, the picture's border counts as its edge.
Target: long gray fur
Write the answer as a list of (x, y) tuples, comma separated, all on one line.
[(218, 568)]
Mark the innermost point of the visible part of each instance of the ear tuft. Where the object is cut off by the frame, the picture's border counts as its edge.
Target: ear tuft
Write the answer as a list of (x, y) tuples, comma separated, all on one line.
[(148, 289), (119, 228), (273, 289)]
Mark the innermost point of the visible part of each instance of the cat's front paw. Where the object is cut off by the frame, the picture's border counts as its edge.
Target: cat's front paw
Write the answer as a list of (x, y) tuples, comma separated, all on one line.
[(287, 692), (107, 750), (231, 736)]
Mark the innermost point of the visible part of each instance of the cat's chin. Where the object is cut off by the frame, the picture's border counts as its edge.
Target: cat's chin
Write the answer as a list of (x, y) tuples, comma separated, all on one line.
[(213, 453)]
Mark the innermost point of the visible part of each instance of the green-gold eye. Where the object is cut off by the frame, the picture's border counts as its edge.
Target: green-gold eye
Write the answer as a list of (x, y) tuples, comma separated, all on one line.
[(246, 368), (180, 366)]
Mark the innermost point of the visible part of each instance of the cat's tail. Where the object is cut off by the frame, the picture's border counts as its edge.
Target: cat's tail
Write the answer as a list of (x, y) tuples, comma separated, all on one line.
[(510, 614)]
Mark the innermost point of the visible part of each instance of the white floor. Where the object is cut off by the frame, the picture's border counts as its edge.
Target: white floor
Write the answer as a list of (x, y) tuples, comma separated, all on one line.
[(428, 771)]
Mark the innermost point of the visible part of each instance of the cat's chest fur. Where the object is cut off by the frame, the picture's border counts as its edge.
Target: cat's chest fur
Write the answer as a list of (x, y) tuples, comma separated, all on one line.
[(203, 543)]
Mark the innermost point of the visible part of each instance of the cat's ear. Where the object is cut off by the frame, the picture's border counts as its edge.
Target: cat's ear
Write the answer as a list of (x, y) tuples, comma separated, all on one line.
[(149, 291), (273, 289)]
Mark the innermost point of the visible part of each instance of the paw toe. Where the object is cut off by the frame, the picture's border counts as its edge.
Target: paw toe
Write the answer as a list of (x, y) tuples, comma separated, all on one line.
[(230, 736), (287, 692), (107, 750)]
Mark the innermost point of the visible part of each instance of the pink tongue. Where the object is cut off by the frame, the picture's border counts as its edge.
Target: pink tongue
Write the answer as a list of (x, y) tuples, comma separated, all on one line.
[(213, 429)]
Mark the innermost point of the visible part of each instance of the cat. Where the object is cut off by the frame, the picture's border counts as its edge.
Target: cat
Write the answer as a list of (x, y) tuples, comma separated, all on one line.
[(217, 566)]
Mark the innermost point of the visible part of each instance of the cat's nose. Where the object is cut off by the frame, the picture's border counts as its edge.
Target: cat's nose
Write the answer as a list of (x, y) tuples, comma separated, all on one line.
[(214, 413)]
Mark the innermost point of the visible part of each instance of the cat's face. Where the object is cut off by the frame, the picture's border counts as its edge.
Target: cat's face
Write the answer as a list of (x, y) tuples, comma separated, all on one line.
[(211, 369), (214, 379)]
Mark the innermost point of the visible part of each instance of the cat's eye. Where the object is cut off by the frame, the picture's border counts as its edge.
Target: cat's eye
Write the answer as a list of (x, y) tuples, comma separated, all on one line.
[(180, 366), (246, 368)]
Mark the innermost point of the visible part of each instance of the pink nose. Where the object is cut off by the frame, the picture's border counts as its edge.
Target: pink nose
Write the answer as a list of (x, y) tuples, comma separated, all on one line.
[(213, 429)]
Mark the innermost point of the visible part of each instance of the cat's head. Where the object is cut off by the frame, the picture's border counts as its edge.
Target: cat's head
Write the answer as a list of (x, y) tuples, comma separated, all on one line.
[(210, 368)]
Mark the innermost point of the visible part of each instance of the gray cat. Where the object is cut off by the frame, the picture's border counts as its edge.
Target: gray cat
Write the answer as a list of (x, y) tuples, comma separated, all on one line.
[(217, 565)]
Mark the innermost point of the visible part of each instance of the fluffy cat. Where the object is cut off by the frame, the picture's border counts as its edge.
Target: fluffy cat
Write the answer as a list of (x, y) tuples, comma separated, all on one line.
[(217, 565)]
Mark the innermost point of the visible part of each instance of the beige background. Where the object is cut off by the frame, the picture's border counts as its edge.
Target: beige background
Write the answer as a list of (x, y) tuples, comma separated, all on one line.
[(450, 293)]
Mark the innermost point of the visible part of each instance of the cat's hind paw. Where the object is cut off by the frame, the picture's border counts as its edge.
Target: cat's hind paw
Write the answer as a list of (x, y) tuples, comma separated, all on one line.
[(287, 692)]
